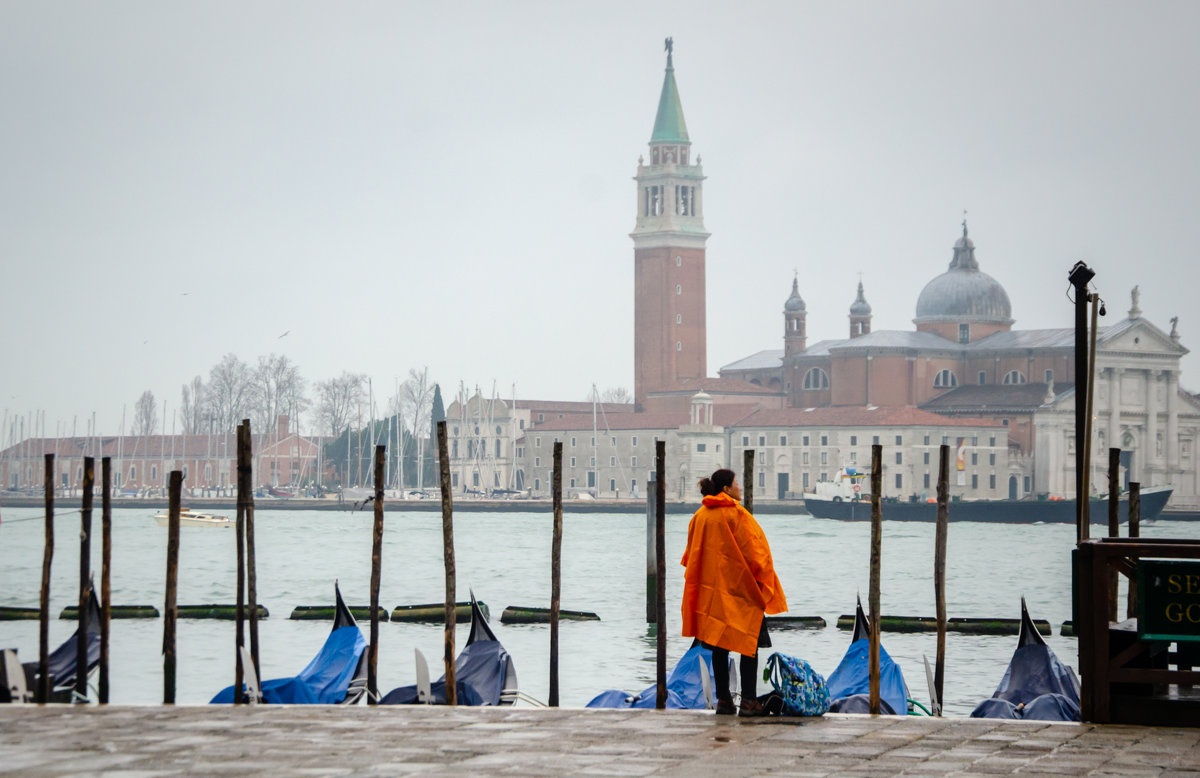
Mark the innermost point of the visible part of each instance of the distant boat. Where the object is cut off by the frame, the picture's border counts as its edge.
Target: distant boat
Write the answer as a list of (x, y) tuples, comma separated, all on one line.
[(284, 494), (191, 518), (1003, 511)]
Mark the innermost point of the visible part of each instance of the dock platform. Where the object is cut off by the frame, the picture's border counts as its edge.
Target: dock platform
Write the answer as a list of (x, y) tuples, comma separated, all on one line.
[(416, 740)]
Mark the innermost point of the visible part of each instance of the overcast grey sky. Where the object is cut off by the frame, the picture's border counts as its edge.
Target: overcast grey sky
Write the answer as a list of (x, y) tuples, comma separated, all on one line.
[(448, 185)]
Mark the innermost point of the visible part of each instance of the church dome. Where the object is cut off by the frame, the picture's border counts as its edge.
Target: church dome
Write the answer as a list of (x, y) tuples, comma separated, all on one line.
[(860, 306), (964, 293), (794, 304)]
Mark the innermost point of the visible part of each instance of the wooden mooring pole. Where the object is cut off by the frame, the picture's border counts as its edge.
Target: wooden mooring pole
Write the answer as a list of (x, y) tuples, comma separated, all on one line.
[(448, 557), (43, 684), (376, 573), (748, 480), (1135, 531), (251, 566), (873, 592), (1114, 522), (555, 571), (105, 573), (1079, 277), (170, 607), (85, 571), (660, 564), (939, 572), (243, 497), (651, 558)]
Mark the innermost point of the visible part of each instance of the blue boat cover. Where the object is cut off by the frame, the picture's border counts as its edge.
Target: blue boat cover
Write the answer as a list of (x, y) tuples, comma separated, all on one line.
[(482, 671), (853, 677), (684, 687), (1036, 685), (61, 662), (328, 678)]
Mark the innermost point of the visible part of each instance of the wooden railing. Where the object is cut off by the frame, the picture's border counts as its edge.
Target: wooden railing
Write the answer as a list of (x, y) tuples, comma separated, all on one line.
[(1126, 678)]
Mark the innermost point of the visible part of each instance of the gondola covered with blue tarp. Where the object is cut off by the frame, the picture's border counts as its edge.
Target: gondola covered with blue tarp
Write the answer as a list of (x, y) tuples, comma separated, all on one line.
[(685, 686), (849, 685), (1036, 685), (484, 673), (336, 675), (64, 660)]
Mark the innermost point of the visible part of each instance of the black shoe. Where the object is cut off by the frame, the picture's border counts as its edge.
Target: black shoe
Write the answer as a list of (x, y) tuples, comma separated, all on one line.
[(751, 707), (725, 708)]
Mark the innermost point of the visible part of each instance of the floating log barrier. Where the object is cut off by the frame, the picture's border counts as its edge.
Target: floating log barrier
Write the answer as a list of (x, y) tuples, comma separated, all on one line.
[(515, 614), (17, 614), (71, 612), (216, 611), (1067, 629), (327, 612), (966, 625), (435, 613), (795, 622)]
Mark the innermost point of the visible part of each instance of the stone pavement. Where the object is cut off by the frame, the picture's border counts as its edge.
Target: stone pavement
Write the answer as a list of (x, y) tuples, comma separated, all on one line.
[(319, 740)]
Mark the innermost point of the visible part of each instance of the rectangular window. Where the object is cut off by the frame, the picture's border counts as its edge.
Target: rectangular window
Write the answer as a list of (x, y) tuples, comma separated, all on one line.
[(633, 461), (982, 377), (899, 458), (1027, 484), (974, 441), (783, 440), (745, 440), (572, 461), (927, 480), (762, 478), (633, 442), (612, 461), (762, 440), (762, 457), (964, 333), (945, 440), (853, 440), (854, 456), (1049, 376), (613, 442), (612, 484), (592, 462), (804, 440), (992, 481), (572, 483), (537, 441), (874, 440), (926, 457), (593, 443), (992, 441), (541, 417), (926, 440), (899, 481), (454, 479), (824, 457), (804, 480), (572, 442), (701, 447), (804, 457), (537, 461), (974, 481), (974, 459), (992, 459), (824, 440), (899, 440)]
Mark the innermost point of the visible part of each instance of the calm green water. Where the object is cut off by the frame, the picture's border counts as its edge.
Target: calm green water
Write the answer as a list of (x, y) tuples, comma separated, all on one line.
[(505, 558)]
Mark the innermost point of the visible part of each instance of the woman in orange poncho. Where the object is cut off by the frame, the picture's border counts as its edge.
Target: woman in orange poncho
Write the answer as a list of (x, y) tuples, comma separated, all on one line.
[(729, 585)]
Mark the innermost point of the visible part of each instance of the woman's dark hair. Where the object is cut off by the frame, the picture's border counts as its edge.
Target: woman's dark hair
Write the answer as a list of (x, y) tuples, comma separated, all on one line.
[(716, 483)]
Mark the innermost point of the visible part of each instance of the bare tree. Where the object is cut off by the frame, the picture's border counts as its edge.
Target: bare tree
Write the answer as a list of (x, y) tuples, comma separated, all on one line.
[(615, 394), (337, 400), (416, 394), (145, 415), (278, 388), (229, 392), (191, 407)]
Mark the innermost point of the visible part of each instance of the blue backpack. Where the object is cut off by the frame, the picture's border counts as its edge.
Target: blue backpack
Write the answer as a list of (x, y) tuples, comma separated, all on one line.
[(801, 688)]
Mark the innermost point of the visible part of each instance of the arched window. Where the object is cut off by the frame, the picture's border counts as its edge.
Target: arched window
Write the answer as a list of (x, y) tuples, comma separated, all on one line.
[(1014, 377), (678, 288), (679, 318), (945, 379), (816, 378)]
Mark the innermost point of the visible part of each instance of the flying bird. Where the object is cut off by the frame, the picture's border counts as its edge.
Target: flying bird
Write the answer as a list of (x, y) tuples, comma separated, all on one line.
[(284, 335)]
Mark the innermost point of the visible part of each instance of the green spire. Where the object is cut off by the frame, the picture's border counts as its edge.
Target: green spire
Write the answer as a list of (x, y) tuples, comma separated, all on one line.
[(669, 126)]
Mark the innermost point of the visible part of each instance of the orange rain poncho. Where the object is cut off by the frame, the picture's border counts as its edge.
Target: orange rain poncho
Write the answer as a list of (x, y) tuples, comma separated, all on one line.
[(730, 580)]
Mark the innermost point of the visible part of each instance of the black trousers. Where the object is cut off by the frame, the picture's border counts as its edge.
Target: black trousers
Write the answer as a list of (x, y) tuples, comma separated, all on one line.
[(748, 667)]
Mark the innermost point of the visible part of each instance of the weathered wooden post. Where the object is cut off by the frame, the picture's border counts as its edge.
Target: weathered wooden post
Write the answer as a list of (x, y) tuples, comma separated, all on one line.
[(1114, 523), (243, 497), (376, 572), (170, 607), (873, 595), (660, 565), (651, 558), (105, 573), (939, 571), (85, 589), (555, 571), (1135, 531), (748, 479), (1079, 278), (251, 566), (43, 684), (448, 557)]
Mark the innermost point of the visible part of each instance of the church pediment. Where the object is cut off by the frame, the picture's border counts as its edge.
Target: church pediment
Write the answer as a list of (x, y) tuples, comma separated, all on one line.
[(1138, 336)]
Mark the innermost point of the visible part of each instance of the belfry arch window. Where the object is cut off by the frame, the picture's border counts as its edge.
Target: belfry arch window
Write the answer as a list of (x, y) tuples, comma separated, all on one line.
[(678, 288), (816, 378), (945, 379), (1014, 377), (679, 318)]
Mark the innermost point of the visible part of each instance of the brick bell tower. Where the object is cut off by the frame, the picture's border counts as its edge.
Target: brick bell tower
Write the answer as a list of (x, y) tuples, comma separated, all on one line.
[(670, 340)]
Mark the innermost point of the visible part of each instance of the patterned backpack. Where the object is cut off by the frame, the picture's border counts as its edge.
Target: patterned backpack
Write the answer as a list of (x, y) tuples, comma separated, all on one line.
[(801, 688)]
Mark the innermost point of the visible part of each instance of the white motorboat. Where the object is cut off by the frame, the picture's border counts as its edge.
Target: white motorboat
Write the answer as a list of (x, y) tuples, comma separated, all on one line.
[(191, 518)]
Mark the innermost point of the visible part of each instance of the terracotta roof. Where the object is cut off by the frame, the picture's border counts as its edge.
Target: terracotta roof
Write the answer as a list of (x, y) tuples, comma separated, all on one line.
[(995, 397), (566, 406), (858, 416), (713, 386), (622, 421)]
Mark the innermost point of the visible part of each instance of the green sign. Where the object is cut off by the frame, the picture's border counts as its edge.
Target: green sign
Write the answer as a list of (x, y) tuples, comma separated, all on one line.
[(1168, 600)]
